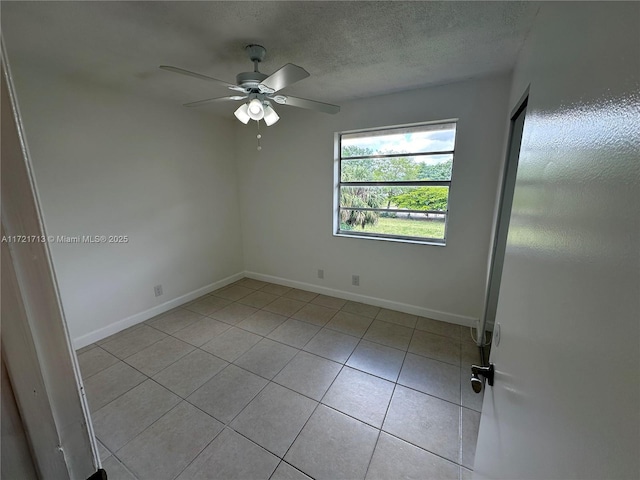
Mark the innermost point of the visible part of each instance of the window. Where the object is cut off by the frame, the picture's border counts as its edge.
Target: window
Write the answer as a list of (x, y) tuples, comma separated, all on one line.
[(394, 183)]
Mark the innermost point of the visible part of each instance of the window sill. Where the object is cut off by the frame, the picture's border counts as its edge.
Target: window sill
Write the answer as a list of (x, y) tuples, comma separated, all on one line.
[(433, 242)]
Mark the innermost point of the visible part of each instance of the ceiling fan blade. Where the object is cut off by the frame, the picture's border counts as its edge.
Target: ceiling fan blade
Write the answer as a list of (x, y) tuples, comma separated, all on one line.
[(304, 103), (201, 77), (286, 76), (211, 100)]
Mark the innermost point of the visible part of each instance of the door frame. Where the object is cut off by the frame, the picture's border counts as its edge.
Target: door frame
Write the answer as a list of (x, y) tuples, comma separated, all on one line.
[(36, 347), (501, 223)]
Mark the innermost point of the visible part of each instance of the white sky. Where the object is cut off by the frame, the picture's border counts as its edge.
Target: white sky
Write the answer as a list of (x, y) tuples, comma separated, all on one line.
[(407, 142)]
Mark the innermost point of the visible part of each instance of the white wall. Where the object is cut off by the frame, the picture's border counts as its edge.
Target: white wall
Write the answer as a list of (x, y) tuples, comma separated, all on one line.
[(565, 402), (286, 193), (110, 164)]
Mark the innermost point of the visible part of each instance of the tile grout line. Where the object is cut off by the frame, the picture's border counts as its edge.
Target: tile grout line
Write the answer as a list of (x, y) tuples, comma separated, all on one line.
[(395, 385), (305, 423), (299, 349)]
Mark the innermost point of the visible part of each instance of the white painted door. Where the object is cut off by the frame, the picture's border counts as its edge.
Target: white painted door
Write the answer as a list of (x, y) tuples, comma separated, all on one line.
[(566, 399)]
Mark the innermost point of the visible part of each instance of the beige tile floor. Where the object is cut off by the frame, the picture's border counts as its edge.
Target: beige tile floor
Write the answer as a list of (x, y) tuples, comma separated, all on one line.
[(261, 381)]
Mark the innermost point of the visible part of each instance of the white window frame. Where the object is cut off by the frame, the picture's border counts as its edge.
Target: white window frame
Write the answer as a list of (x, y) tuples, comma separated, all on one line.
[(381, 236)]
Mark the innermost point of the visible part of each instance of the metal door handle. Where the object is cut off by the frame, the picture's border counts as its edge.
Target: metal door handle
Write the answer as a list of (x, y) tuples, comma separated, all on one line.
[(486, 372)]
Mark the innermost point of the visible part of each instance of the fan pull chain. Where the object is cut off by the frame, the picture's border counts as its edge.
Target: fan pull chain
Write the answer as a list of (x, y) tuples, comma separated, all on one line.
[(259, 136)]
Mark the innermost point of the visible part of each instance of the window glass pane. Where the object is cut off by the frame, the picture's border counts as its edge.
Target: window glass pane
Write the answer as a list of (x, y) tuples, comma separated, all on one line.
[(403, 225), (394, 197), (419, 139), (397, 169)]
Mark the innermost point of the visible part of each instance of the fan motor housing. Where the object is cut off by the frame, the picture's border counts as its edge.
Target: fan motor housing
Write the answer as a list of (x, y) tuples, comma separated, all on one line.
[(250, 80)]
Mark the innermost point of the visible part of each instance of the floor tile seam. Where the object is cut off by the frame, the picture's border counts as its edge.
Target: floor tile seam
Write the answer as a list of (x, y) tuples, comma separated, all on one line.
[(435, 360), (85, 378), (146, 377), (217, 335), (282, 343), (386, 412), (379, 342), (297, 392), (457, 464), (231, 299), (388, 346), (208, 353), (432, 358), (173, 363), (312, 414), (355, 418), (384, 344), (396, 323), (256, 444), (369, 328), (143, 431), (455, 339), (228, 424), (378, 430), (359, 369), (391, 323), (208, 315), (458, 338), (352, 313), (254, 373), (351, 354), (322, 356), (146, 346), (203, 449), (434, 396), (282, 460), (126, 467), (121, 332), (255, 306), (205, 314), (478, 357), (375, 446), (271, 283), (310, 323), (228, 322), (342, 332), (201, 315), (86, 348), (237, 325), (105, 447), (431, 394), (299, 348), (168, 365)]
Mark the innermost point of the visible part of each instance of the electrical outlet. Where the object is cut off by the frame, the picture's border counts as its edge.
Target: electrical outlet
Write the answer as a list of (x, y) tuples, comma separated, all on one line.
[(157, 290), (355, 280), (320, 273)]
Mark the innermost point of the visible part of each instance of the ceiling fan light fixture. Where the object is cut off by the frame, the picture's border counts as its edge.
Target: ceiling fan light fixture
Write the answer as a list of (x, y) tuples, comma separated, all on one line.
[(270, 115), (242, 113), (255, 109)]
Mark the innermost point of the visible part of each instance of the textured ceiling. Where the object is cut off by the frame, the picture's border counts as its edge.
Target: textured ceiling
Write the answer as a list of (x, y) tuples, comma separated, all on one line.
[(352, 49)]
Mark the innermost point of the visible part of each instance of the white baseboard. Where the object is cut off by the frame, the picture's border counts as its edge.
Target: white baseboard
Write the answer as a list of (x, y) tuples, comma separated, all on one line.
[(120, 325), (378, 302)]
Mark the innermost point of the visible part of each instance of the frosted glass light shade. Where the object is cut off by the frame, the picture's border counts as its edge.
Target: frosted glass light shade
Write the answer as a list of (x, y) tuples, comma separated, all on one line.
[(270, 115), (255, 110), (242, 113)]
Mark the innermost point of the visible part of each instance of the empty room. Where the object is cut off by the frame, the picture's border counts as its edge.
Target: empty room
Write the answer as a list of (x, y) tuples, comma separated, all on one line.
[(320, 240)]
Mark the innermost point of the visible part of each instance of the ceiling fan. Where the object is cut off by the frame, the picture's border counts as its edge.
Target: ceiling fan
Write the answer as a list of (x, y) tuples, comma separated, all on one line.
[(260, 89)]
